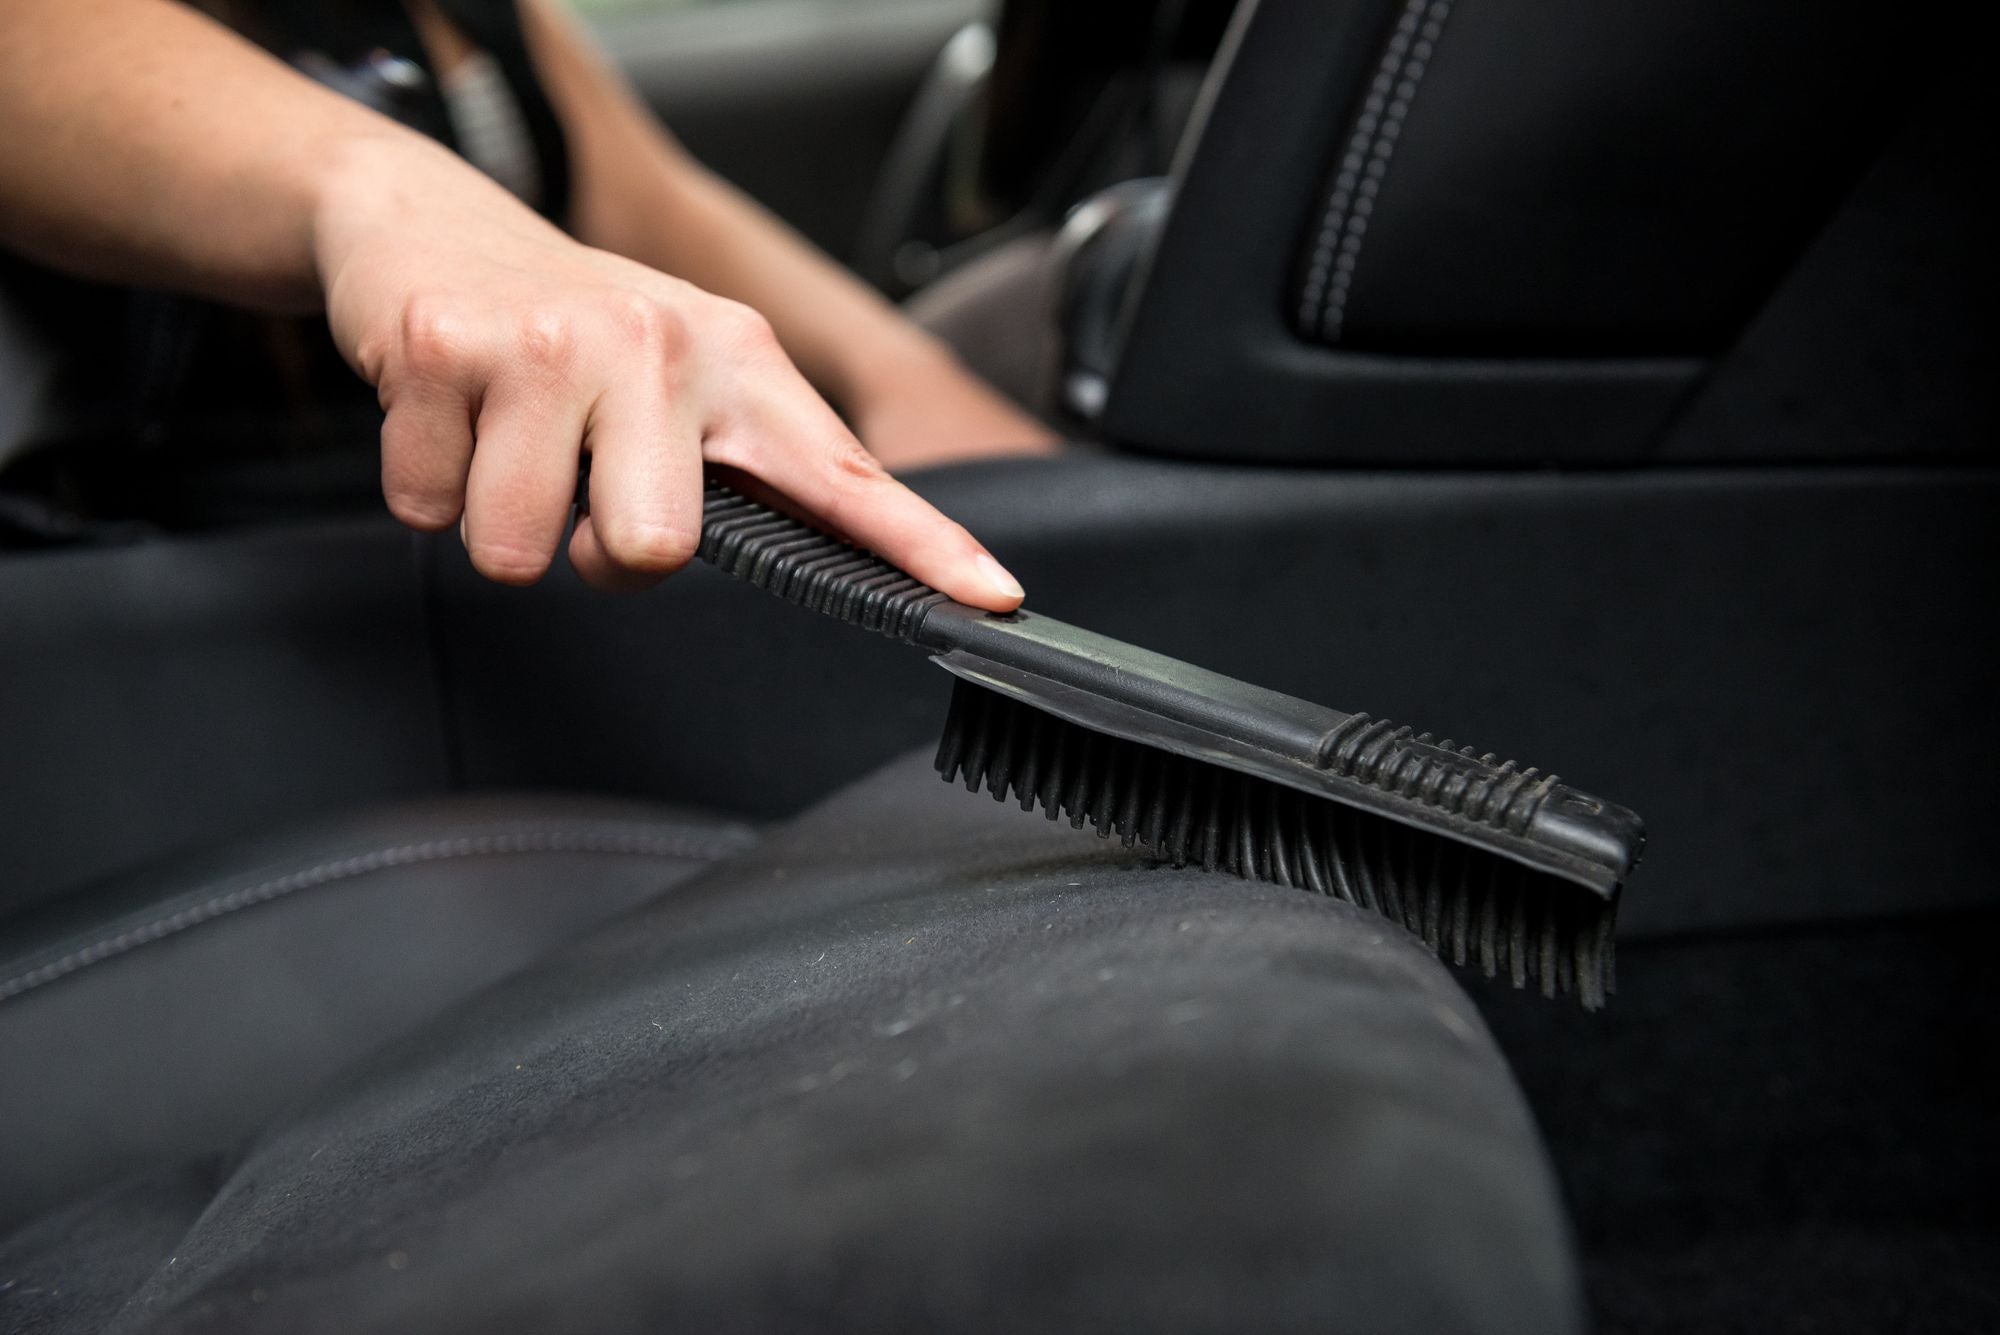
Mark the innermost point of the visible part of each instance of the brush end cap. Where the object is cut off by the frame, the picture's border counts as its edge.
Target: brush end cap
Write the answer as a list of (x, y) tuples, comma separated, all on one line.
[(1601, 839)]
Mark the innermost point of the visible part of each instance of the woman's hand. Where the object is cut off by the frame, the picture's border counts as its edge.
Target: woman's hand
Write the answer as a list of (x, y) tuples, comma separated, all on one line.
[(148, 144), (637, 192), (502, 350), (928, 410)]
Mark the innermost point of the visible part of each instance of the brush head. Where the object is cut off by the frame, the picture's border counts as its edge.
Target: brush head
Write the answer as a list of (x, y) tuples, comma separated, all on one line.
[(1472, 906), (1493, 864)]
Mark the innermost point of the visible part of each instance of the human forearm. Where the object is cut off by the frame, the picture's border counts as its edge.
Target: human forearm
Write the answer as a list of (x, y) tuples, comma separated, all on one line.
[(144, 144), (148, 144)]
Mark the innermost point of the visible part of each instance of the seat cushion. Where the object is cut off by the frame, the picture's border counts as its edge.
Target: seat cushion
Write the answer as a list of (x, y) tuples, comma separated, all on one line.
[(177, 1008), (917, 1061)]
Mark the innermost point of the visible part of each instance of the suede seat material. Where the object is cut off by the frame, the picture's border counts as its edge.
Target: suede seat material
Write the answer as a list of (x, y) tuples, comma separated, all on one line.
[(916, 1062)]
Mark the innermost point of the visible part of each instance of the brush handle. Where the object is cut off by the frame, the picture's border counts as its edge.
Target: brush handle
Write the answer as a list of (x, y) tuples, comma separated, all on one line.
[(1109, 686), (798, 563)]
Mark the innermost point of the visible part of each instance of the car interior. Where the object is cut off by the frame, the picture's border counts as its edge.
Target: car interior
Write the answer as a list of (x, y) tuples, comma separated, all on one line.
[(385, 949)]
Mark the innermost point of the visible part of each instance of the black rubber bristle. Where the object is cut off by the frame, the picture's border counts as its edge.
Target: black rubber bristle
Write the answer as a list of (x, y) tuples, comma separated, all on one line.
[(1471, 906)]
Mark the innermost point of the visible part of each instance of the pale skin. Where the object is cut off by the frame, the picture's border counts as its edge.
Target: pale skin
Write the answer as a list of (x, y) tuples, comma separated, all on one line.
[(149, 145)]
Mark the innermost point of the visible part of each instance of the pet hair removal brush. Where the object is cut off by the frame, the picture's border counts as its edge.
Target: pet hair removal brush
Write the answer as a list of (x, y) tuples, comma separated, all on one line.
[(1491, 864)]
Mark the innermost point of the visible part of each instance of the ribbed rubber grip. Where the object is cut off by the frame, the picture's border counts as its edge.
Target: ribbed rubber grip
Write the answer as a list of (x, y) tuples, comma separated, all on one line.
[(1456, 779), (804, 566)]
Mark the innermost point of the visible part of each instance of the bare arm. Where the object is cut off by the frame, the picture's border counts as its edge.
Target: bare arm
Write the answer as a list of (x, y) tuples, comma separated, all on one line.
[(639, 193), (116, 166), (146, 144)]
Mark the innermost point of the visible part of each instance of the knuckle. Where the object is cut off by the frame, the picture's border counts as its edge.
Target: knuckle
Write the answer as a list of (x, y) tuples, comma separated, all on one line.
[(648, 325), (653, 548), (855, 481), (746, 327), (547, 340), (850, 461), (434, 337)]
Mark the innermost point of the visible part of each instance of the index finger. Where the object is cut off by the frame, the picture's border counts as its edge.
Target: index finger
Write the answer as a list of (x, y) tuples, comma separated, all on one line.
[(820, 466)]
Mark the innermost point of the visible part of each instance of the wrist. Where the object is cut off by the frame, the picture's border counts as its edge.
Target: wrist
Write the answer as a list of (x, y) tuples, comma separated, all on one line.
[(357, 180), (388, 180)]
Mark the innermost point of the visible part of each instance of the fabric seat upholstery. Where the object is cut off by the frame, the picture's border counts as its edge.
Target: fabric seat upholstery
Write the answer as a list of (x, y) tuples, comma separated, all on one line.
[(917, 1061)]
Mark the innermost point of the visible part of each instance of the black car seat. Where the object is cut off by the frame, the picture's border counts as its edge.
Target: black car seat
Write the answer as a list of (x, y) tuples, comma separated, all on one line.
[(1430, 232), (174, 1009), (916, 1062)]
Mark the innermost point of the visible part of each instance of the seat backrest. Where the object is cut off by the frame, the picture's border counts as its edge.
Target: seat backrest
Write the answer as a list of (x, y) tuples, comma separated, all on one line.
[(1429, 231)]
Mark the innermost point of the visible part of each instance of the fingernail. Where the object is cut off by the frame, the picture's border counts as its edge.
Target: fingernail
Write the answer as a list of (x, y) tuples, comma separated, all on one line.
[(996, 575), (461, 533)]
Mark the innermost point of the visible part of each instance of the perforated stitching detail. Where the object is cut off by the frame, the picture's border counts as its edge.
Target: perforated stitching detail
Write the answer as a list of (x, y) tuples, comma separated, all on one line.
[(1363, 165), (363, 864)]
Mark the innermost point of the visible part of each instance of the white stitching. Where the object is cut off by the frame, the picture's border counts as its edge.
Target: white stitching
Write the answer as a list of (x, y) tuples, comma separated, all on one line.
[(362, 864), (1363, 164)]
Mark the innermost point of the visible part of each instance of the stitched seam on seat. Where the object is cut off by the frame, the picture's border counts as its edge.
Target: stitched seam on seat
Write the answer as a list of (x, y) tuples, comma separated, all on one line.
[(362, 864), (1363, 165)]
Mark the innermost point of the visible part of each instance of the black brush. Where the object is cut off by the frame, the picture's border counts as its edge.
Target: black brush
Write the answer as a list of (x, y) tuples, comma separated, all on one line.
[(1490, 863)]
